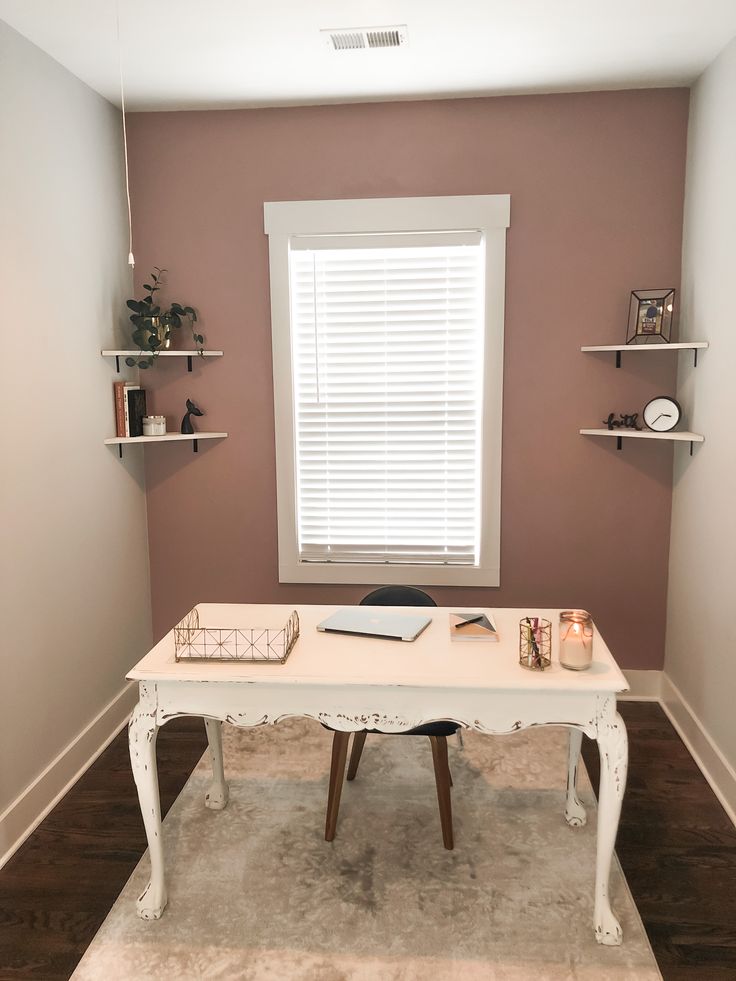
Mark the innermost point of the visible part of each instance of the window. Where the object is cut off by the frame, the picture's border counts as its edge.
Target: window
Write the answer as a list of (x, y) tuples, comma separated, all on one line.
[(388, 340)]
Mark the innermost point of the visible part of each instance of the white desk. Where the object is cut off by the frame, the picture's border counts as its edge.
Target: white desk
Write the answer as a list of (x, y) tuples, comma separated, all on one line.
[(364, 683)]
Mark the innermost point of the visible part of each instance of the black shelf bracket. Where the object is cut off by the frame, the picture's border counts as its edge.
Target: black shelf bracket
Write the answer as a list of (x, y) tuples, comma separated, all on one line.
[(620, 446), (190, 363), (195, 448), (694, 350)]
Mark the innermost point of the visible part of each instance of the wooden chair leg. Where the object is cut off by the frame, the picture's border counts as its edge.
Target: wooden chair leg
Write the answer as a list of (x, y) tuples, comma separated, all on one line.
[(358, 743), (442, 779), (340, 742)]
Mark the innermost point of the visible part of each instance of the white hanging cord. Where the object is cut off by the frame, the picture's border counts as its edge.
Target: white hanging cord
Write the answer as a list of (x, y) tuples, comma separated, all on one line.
[(131, 257)]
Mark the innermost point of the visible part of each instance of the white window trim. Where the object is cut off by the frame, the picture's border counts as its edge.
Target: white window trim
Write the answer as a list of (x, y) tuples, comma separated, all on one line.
[(490, 214)]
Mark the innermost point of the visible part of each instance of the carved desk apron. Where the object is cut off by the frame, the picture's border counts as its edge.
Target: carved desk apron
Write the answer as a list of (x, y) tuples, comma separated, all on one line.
[(354, 683)]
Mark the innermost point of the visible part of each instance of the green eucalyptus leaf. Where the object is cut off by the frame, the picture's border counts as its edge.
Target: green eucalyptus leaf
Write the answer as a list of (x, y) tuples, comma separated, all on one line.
[(130, 362), (134, 305)]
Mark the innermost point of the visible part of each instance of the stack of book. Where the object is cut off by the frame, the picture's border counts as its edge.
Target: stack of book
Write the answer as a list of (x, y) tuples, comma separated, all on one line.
[(130, 408)]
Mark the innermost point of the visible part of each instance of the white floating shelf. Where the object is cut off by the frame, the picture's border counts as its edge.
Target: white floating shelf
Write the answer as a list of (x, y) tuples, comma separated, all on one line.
[(693, 346), (619, 434), (120, 441), (162, 354), (635, 434), (679, 346), (162, 439)]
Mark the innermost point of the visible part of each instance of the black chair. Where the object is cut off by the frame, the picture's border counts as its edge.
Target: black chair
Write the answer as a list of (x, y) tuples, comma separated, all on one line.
[(437, 732)]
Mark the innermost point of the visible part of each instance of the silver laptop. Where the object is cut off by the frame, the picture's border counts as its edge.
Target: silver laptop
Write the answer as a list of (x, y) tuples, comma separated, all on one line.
[(372, 621)]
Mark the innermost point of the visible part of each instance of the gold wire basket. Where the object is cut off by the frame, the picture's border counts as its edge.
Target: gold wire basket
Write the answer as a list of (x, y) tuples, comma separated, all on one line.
[(257, 645)]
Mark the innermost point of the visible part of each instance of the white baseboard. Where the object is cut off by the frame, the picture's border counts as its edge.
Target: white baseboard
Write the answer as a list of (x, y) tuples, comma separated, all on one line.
[(31, 806), (712, 763), (644, 686)]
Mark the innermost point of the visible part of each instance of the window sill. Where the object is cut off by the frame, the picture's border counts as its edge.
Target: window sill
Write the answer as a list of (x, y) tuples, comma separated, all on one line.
[(386, 573)]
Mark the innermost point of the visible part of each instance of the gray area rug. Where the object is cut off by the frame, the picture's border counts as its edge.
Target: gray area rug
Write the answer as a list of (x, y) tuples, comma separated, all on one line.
[(255, 893)]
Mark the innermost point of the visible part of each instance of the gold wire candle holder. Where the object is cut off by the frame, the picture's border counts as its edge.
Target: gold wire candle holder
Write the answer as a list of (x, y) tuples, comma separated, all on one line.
[(535, 643)]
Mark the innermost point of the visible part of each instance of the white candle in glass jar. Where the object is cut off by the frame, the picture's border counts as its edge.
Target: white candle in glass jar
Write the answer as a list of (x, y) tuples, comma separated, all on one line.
[(154, 425), (576, 640)]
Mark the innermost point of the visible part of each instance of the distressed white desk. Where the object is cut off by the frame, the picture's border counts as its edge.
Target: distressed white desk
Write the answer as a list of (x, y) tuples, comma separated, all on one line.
[(353, 683)]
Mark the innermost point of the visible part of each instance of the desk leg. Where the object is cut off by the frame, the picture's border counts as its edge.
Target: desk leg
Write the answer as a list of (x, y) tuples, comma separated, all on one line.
[(142, 732), (574, 811), (613, 747), (219, 792)]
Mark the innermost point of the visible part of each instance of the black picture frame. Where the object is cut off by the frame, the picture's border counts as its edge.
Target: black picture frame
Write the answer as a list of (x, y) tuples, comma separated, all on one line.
[(650, 316)]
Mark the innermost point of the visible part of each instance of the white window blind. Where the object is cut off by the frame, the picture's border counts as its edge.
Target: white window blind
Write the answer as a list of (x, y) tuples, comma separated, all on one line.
[(387, 363)]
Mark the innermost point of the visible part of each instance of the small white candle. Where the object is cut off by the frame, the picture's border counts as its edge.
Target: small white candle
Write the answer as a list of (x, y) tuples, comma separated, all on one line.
[(154, 425), (576, 644)]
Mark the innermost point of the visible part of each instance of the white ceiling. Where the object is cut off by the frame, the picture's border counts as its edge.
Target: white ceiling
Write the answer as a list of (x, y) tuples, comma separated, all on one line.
[(217, 53)]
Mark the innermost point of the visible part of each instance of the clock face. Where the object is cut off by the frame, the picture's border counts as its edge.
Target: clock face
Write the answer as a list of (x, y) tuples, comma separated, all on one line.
[(662, 414)]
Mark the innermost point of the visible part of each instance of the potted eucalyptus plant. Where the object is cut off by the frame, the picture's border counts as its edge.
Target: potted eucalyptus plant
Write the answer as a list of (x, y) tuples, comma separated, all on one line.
[(153, 325)]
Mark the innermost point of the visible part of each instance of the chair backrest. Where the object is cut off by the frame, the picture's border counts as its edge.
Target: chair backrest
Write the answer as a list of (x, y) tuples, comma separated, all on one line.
[(397, 596)]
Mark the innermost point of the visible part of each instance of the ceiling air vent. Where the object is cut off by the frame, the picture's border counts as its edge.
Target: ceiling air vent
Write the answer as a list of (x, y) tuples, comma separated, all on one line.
[(356, 38)]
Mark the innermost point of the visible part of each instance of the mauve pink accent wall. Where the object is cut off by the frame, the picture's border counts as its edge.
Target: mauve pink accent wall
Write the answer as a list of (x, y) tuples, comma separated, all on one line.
[(596, 183)]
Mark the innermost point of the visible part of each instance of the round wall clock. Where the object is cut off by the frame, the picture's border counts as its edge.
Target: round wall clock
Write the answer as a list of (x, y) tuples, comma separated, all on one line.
[(662, 414)]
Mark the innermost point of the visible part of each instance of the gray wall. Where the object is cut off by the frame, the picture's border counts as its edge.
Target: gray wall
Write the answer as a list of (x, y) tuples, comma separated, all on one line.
[(73, 547), (700, 657)]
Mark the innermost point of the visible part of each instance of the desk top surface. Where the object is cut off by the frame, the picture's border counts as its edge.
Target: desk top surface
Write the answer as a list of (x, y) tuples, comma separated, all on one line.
[(432, 660)]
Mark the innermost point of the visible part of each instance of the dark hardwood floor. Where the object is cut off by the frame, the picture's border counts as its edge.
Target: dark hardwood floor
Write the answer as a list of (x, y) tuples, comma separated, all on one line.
[(677, 848), (60, 885), (676, 844)]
